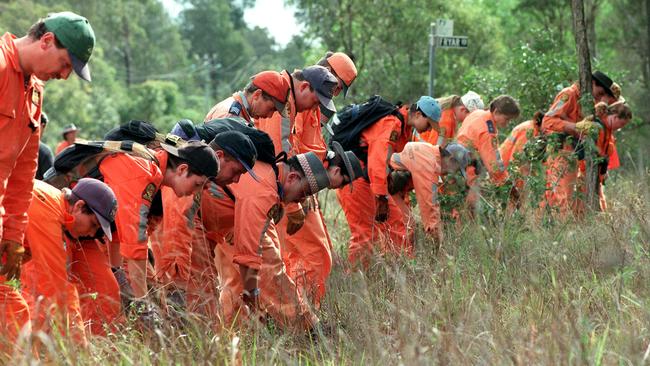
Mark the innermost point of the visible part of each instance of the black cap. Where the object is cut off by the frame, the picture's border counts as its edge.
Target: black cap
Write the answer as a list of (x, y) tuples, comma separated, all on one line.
[(239, 146), (603, 81), (100, 199), (198, 155)]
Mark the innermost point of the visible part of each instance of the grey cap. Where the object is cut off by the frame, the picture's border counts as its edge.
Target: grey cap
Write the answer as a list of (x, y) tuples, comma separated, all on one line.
[(69, 128), (459, 153), (100, 199), (323, 82), (350, 160), (315, 172)]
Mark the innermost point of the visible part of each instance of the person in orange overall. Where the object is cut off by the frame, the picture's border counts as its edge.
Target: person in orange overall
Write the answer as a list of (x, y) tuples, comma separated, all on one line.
[(611, 118), (57, 219), (426, 164), (69, 134), (135, 182), (307, 249), (52, 48), (372, 214), (479, 134), (559, 127), (454, 111), (264, 95), (263, 283), (512, 149), (184, 259)]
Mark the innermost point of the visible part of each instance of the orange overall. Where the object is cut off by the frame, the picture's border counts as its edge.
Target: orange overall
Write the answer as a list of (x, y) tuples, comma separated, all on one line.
[(478, 134), (47, 284), (235, 106), (561, 173), (383, 138), (256, 246), (307, 253), (424, 162), (134, 181), (20, 114), (184, 258)]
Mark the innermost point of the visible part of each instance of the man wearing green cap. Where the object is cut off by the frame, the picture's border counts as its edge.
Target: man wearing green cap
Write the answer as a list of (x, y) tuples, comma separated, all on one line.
[(52, 48)]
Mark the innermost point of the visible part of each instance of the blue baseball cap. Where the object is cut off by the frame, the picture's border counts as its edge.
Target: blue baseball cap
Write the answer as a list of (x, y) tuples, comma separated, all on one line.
[(429, 107)]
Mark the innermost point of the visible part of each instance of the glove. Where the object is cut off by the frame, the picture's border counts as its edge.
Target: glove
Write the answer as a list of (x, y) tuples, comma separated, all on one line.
[(13, 252), (251, 299), (586, 127), (600, 109), (295, 220), (126, 292), (381, 210), (397, 181), (146, 313)]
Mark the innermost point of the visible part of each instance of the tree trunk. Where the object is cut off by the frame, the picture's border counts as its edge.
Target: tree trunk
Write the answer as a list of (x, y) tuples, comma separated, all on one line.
[(591, 26), (126, 33), (586, 99), (646, 68)]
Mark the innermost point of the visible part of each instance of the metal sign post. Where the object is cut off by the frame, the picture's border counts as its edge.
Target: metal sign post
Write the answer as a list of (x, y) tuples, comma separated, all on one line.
[(442, 36)]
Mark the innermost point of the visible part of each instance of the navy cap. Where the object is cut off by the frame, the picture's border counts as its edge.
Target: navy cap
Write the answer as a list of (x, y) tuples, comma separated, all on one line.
[(323, 82), (239, 146), (198, 155), (100, 199)]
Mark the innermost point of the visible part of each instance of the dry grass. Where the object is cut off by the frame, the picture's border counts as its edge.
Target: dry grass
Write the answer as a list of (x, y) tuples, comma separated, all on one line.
[(511, 292)]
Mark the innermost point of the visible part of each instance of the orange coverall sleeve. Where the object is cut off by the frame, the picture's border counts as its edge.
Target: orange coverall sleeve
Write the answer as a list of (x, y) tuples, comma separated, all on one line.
[(135, 181), (178, 228), (17, 195), (564, 107), (490, 156), (253, 202), (381, 139), (20, 113)]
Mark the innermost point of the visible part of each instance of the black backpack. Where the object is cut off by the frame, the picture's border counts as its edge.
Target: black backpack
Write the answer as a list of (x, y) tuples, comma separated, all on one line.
[(142, 132), (262, 141), (355, 118)]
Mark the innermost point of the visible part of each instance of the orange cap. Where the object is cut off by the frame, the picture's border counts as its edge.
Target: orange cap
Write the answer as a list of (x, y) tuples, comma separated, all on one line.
[(273, 84), (344, 68)]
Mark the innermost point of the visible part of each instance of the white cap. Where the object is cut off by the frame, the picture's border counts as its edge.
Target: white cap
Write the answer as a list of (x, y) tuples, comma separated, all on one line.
[(472, 101)]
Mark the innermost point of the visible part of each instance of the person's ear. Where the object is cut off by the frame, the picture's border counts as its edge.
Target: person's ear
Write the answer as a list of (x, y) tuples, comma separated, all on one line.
[(47, 40), (78, 206), (219, 154), (182, 169)]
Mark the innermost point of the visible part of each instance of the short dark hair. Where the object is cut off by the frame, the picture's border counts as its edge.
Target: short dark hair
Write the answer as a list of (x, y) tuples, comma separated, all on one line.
[(506, 105), (72, 199), (38, 29), (174, 161)]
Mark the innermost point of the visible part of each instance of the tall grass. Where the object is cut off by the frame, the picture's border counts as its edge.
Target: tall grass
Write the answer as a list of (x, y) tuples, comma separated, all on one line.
[(509, 291)]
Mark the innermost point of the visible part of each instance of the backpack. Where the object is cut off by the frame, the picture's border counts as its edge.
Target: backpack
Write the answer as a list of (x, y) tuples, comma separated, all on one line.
[(353, 119), (82, 160), (142, 132), (262, 141)]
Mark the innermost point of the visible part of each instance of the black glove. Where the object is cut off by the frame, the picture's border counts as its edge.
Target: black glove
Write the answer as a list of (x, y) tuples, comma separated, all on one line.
[(147, 314), (381, 208), (126, 292)]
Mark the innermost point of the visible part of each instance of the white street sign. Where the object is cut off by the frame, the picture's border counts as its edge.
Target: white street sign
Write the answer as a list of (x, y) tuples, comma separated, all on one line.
[(451, 42), (444, 27)]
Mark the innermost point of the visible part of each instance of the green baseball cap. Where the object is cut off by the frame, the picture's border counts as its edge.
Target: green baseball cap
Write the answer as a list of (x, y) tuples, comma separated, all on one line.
[(76, 35)]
